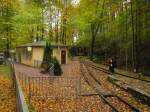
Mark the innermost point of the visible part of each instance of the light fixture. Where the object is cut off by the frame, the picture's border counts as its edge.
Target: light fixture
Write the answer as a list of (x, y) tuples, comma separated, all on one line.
[(29, 48)]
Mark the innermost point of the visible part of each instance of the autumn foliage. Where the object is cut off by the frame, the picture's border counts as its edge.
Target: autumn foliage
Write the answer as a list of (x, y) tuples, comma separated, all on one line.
[(7, 95)]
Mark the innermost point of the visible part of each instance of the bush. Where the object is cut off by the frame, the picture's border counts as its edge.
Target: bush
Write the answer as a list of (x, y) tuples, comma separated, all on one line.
[(57, 67)]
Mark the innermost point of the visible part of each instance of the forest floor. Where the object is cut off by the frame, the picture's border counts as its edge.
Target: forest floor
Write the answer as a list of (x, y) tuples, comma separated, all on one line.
[(7, 92)]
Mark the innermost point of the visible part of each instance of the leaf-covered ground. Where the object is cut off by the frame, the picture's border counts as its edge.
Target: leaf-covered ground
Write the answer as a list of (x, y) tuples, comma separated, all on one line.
[(66, 101), (103, 78), (7, 92), (50, 95)]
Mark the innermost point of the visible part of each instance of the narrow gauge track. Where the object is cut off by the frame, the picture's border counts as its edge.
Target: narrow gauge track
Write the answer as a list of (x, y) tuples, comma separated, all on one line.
[(94, 83), (91, 85), (108, 72)]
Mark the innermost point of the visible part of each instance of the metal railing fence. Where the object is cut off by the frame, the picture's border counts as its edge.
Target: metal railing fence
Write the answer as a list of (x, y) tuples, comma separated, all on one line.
[(20, 99), (50, 87)]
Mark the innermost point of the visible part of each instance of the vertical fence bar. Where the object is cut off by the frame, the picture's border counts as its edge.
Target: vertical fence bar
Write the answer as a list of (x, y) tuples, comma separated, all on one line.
[(12, 74), (36, 85), (25, 83), (53, 87), (46, 85), (42, 86), (29, 95), (79, 85), (39, 87), (33, 85), (33, 81), (21, 79)]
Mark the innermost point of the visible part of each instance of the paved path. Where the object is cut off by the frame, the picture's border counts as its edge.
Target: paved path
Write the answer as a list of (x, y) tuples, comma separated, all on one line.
[(29, 71), (72, 69)]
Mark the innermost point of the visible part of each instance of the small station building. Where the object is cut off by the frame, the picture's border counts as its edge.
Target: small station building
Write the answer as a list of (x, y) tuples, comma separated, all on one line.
[(30, 53)]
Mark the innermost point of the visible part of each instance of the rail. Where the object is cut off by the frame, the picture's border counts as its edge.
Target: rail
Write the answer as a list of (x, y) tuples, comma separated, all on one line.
[(99, 94), (117, 73), (20, 99), (102, 96)]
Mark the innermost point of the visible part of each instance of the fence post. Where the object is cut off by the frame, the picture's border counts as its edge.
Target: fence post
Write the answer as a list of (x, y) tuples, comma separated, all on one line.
[(29, 94), (79, 85), (12, 74)]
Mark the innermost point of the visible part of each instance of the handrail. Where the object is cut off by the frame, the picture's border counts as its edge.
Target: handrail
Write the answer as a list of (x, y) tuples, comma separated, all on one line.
[(20, 99)]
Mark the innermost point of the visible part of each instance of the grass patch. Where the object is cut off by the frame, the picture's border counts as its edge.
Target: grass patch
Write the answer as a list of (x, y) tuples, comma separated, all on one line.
[(5, 70)]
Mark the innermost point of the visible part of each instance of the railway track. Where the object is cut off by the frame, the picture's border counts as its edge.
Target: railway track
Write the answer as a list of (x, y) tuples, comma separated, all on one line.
[(108, 72), (85, 77), (109, 96)]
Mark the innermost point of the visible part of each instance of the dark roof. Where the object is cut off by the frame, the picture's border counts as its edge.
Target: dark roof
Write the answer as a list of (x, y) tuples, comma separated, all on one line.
[(41, 44)]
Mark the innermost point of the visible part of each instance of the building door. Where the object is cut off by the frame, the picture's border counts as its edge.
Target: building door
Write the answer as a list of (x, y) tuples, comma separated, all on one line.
[(63, 57)]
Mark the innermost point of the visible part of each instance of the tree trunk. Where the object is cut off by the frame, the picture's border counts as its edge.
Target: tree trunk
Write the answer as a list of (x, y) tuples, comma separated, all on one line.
[(93, 42), (126, 49), (133, 36), (94, 29)]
